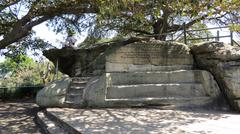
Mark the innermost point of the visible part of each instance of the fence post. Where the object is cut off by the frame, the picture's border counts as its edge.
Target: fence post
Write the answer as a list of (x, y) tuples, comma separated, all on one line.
[(184, 33), (207, 37), (231, 37), (217, 39)]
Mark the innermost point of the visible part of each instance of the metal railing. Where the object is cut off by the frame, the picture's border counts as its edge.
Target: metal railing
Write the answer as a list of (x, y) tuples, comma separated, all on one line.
[(183, 34), (186, 32)]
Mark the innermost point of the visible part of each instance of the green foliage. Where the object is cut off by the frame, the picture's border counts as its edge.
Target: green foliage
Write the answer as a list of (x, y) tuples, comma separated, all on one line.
[(139, 16), (23, 71), (235, 27), (127, 17)]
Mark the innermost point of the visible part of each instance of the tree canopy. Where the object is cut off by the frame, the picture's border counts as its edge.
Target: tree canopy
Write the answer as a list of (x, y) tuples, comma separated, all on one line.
[(127, 17), (160, 17)]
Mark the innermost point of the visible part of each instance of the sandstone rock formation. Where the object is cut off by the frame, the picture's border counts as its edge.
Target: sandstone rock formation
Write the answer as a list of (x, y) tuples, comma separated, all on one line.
[(132, 74), (223, 61), (148, 56), (78, 62), (86, 61), (53, 94), (156, 72)]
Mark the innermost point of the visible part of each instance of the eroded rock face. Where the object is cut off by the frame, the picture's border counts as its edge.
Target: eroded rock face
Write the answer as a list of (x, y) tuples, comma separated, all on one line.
[(223, 61), (133, 74), (53, 94), (148, 56), (78, 62)]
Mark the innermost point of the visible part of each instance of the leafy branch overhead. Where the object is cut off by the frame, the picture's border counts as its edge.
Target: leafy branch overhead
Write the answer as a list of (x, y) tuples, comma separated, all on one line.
[(151, 17)]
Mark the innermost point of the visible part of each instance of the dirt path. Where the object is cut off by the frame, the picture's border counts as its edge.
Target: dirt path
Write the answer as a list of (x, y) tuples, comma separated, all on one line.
[(18, 117)]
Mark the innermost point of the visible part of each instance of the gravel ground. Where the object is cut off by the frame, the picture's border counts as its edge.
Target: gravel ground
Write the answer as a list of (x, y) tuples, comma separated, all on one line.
[(18, 117)]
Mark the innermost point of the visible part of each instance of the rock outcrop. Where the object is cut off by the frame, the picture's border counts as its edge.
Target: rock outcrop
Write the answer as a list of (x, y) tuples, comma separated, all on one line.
[(223, 61), (133, 74), (78, 62), (148, 56), (85, 61), (53, 94), (146, 72), (156, 73)]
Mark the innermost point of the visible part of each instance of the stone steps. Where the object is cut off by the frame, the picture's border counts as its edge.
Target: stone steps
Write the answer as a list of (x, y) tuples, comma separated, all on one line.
[(47, 125), (78, 83), (80, 78), (176, 87), (155, 91), (80, 87), (74, 91), (73, 104), (177, 76), (74, 96), (51, 124)]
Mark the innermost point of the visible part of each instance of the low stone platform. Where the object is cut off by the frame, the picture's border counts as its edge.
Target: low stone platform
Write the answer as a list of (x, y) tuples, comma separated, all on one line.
[(139, 121)]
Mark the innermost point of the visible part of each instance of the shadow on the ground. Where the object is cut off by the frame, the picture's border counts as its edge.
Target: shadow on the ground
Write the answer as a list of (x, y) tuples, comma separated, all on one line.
[(18, 117), (135, 120)]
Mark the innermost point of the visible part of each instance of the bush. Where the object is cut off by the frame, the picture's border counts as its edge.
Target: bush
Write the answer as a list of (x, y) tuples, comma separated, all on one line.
[(19, 92)]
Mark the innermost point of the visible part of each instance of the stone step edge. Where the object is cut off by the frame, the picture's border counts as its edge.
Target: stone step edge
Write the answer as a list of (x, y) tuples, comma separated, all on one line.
[(149, 72), (156, 99), (80, 78), (75, 100), (170, 103), (76, 87), (79, 82), (44, 123), (158, 84), (65, 126), (74, 104), (73, 94)]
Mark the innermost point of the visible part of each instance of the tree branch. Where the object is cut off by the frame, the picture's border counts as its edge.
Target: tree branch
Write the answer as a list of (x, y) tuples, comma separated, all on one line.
[(189, 24), (139, 31), (8, 4), (23, 27)]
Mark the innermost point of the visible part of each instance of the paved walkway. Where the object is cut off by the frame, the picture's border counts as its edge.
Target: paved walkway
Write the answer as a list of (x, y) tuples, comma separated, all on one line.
[(148, 121), (18, 117)]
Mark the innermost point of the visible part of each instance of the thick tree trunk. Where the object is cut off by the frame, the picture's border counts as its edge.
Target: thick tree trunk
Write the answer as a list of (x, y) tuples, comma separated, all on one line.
[(23, 27), (160, 27), (160, 30)]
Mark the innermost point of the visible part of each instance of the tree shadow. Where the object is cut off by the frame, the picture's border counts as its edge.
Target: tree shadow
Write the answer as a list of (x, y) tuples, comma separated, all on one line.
[(18, 117), (136, 120)]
